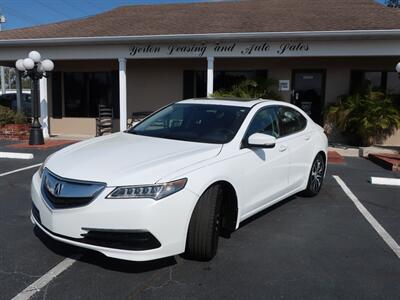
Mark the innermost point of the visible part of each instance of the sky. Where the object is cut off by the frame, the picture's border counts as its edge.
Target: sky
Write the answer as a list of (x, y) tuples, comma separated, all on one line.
[(26, 13)]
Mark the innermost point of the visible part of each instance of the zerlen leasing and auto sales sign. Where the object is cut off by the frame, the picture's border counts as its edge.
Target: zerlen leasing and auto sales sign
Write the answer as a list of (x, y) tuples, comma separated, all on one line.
[(234, 49)]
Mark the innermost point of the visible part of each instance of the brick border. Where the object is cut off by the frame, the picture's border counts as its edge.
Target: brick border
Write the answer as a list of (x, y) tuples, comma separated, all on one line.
[(15, 132)]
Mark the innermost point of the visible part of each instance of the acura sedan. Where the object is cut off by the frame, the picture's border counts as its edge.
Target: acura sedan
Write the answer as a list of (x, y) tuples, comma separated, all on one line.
[(179, 179)]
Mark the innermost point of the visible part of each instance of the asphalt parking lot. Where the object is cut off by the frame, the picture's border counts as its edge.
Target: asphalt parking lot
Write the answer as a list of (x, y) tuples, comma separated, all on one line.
[(302, 248)]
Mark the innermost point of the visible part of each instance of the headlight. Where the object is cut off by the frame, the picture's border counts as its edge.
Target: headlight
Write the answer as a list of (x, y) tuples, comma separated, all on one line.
[(156, 191)]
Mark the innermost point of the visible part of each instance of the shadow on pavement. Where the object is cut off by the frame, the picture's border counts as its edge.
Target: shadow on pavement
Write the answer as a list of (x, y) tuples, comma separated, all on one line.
[(98, 259), (266, 211)]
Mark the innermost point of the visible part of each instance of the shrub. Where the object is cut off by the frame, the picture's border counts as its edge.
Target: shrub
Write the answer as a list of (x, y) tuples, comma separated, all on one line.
[(252, 89), (367, 119), (8, 116)]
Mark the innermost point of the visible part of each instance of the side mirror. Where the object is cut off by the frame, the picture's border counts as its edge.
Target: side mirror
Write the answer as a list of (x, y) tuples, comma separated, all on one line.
[(261, 140)]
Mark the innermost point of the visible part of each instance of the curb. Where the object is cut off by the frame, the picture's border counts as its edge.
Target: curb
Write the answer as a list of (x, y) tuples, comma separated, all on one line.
[(386, 161)]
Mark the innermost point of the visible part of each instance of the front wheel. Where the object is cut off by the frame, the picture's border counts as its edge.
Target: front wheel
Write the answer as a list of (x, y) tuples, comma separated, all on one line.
[(204, 227), (316, 176)]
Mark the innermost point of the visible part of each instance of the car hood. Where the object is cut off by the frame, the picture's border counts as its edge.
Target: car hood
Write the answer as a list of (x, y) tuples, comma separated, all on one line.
[(128, 159)]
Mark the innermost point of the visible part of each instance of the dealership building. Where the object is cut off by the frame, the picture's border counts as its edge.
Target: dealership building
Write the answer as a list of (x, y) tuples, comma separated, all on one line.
[(140, 58)]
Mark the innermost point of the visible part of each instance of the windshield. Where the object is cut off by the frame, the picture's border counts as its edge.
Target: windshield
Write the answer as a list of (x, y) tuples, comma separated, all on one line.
[(203, 123)]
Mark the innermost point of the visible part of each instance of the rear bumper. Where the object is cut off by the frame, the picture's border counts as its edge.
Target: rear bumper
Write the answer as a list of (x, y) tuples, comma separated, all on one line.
[(153, 229)]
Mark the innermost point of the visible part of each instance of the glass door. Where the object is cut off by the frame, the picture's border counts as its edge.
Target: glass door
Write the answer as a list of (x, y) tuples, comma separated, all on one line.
[(309, 92)]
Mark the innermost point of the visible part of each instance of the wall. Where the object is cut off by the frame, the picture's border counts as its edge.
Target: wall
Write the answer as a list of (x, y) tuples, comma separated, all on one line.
[(153, 83)]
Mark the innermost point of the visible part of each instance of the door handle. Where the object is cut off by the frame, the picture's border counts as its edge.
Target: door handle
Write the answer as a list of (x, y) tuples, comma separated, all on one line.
[(282, 148), (307, 137)]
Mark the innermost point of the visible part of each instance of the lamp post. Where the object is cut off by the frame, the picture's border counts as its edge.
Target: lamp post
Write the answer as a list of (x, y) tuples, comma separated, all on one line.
[(35, 68)]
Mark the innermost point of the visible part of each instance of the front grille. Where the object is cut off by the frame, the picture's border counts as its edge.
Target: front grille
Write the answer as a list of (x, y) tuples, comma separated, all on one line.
[(128, 240), (68, 193)]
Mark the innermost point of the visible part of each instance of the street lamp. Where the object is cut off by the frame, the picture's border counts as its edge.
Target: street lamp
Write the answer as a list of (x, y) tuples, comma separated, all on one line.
[(35, 68)]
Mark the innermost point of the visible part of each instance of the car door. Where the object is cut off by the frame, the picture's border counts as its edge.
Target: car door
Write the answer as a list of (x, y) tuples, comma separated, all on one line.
[(264, 172), (293, 130)]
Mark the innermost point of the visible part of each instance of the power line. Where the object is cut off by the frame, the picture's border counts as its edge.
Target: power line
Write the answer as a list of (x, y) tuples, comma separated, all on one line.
[(53, 9), (77, 8)]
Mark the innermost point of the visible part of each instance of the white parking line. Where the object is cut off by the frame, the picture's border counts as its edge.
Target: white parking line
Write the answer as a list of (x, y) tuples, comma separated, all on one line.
[(45, 279), (16, 155), (370, 218), (385, 181), (19, 170)]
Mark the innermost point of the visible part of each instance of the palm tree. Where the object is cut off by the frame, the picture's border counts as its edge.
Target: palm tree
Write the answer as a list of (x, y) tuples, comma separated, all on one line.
[(369, 118), (252, 89)]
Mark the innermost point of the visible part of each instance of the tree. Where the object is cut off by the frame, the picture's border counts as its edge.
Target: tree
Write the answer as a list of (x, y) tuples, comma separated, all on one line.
[(369, 117), (10, 79), (252, 89)]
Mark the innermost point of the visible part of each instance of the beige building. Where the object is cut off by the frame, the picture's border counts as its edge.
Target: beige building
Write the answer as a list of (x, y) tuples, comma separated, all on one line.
[(140, 58)]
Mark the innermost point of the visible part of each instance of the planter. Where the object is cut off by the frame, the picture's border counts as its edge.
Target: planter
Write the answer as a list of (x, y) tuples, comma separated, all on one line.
[(15, 132)]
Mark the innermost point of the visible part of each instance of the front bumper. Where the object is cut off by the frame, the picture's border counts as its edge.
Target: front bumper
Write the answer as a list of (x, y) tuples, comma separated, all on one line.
[(166, 220)]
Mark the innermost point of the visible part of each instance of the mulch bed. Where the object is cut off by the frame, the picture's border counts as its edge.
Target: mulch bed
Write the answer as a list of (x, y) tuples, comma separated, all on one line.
[(335, 158)]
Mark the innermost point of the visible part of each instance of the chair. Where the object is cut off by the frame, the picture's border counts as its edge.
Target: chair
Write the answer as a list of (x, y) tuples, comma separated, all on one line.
[(138, 116), (104, 123)]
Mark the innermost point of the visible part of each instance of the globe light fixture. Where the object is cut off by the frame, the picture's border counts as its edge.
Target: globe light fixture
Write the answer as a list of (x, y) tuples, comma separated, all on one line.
[(35, 68), (47, 65), (29, 63), (35, 56), (19, 64), (398, 69)]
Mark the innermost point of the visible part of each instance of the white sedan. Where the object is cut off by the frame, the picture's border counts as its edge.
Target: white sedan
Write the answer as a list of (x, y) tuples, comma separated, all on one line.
[(179, 179)]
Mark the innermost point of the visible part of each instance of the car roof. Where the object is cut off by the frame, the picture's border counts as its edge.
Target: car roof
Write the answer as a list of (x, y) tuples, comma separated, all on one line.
[(229, 101)]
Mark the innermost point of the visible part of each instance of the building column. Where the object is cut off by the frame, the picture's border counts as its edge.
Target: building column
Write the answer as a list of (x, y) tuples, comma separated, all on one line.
[(3, 80), (44, 115), (18, 90), (123, 119), (210, 76)]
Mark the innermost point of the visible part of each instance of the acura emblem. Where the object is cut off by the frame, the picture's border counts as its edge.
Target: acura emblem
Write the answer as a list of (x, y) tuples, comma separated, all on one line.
[(57, 188)]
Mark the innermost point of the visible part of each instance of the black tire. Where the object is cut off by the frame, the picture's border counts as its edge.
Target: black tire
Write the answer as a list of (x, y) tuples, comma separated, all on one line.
[(204, 227), (316, 177)]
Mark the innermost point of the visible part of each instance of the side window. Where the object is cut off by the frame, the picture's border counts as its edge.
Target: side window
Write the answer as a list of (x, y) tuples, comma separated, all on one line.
[(290, 120), (264, 121)]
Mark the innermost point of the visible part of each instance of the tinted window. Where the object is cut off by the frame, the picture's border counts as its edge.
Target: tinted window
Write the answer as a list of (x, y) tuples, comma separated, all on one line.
[(194, 122), (290, 120), (264, 121), (85, 91)]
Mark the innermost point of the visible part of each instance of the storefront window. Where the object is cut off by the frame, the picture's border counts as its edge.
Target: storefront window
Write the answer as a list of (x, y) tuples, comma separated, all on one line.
[(393, 83), (374, 79), (225, 80), (386, 82), (362, 81), (85, 91), (195, 82)]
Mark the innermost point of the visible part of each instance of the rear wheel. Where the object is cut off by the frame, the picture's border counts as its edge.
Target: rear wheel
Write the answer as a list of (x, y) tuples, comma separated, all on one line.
[(316, 176), (204, 227)]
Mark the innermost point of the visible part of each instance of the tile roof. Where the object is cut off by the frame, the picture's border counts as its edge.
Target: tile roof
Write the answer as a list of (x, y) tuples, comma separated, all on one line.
[(222, 17)]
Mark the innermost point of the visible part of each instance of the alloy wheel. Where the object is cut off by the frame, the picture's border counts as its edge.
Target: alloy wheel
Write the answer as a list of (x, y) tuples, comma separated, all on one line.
[(317, 174)]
